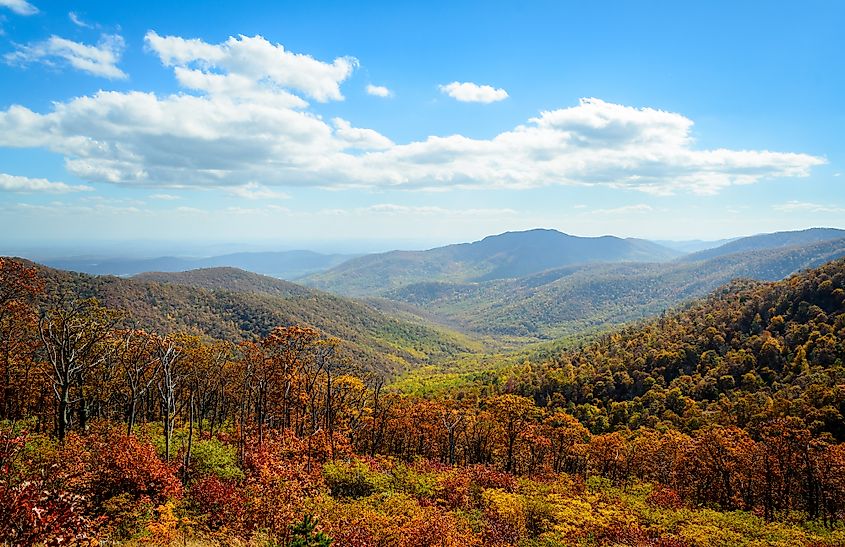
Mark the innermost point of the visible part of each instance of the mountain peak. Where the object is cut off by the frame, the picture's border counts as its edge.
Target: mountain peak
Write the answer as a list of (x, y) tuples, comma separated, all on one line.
[(501, 256)]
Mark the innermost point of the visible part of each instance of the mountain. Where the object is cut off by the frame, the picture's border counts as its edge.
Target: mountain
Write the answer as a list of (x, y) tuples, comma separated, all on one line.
[(283, 265), (746, 354), (768, 241), (508, 255), (231, 279), (231, 304), (580, 298)]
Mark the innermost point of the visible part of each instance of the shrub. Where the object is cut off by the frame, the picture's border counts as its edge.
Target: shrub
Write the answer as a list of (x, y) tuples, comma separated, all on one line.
[(212, 457), (353, 479), (220, 502)]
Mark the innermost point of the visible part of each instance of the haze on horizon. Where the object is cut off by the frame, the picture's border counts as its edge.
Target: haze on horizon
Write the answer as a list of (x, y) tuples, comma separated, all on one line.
[(270, 126)]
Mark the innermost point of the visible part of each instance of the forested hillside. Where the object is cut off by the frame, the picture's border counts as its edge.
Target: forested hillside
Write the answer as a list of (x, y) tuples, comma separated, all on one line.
[(507, 255), (571, 300), (230, 304), (768, 241), (747, 354), (720, 424)]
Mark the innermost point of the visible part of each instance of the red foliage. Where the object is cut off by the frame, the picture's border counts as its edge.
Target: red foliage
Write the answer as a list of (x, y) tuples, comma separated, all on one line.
[(665, 498), (109, 463), (487, 477), (32, 513), (462, 487), (222, 502), (280, 475)]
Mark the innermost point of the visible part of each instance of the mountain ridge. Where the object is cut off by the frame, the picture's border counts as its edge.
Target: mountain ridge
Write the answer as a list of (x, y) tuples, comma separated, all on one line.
[(506, 255), (206, 302), (280, 264), (578, 298)]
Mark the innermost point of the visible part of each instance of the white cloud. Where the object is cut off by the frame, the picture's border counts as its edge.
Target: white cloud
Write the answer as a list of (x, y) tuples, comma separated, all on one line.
[(76, 20), (379, 90), (362, 139), (807, 207), (252, 66), (99, 60), (14, 183), (254, 190), (243, 115), (164, 197), (21, 7), (469, 92)]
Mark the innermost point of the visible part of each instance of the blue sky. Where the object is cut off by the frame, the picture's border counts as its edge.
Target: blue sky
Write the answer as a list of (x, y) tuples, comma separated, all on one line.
[(392, 124)]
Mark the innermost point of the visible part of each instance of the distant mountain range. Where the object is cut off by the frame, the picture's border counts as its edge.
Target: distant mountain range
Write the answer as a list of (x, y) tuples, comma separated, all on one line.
[(579, 298), (768, 241), (282, 265), (543, 284), (508, 255), (514, 287), (693, 245)]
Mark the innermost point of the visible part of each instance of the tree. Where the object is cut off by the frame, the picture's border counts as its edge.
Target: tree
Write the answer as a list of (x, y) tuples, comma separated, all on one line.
[(75, 336), (19, 288), (513, 413), (137, 357), (452, 416), (169, 355), (305, 534)]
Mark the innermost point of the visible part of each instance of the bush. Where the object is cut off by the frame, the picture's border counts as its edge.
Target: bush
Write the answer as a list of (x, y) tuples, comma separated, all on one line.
[(118, 464), (220, 502), (212, 457), (353, 479)]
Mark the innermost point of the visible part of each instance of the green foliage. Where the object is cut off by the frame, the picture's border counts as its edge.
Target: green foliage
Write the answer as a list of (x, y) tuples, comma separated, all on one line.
[(213, 457), (589, 298), (234, 305), (353, 479), (305, 534)]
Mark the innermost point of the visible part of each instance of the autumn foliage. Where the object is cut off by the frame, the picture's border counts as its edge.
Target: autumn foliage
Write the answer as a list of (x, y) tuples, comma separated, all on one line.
[(720, 423)]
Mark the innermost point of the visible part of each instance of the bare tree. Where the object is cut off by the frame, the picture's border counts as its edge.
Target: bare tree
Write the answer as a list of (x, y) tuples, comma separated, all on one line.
[(74, 336)]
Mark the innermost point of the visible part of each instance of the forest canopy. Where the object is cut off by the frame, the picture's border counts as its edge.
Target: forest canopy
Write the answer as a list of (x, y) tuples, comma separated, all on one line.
[(718, 424)]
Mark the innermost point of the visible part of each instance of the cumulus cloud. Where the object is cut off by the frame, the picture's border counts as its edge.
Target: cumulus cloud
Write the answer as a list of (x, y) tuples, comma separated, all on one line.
[(99, 60), (468, 92), (21, 7), (250, 66), (243, 114), (807, 207), (379, 91), (14, 183), (363, 139)]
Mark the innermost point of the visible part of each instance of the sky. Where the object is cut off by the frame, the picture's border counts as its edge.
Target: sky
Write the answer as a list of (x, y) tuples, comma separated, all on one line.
[(351, 126)]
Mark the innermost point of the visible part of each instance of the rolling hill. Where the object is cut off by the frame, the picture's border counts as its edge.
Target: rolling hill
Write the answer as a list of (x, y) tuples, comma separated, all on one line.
[(283, 265), (508, 255), (767, 241), (231, 304), (588, 297)]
